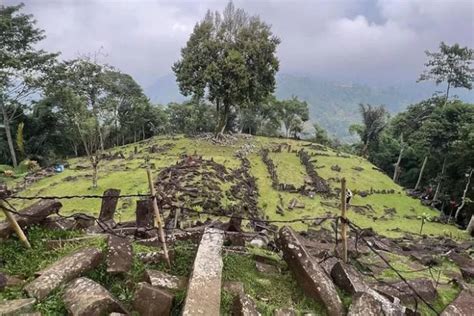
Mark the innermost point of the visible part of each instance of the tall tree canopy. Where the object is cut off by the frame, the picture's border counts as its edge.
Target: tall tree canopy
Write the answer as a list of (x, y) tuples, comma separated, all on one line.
[(230, 58), (20, 64), (451, 65), (293, 113)]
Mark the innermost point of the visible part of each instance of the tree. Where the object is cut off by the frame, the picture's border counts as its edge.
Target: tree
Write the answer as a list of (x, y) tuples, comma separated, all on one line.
[(230, 58), (451, 65), (20, 64), (374, 120), (321, 135), (293, 113)]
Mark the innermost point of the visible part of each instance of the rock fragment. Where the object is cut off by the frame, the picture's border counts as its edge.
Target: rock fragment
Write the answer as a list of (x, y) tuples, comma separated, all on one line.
[(151, 301), (84, 297), (119, 255)]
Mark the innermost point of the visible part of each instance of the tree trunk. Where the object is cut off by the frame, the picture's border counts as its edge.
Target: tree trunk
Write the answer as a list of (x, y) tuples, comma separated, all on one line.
[(365, 149), (421, 173), (222, 122), (396, 172), (447, 93), (470, 226), (438, 186), (6, 123), (463, 199), (95, 164)]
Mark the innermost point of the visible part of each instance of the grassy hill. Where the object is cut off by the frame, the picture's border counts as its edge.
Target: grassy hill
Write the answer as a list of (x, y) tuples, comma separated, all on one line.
[(391, 214)]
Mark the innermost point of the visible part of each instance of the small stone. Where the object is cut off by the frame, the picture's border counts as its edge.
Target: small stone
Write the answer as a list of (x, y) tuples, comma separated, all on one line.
[(15, 307), (266, 268), (233, 287), (244, 306), (150, 301), (165, 281), (284, 312)]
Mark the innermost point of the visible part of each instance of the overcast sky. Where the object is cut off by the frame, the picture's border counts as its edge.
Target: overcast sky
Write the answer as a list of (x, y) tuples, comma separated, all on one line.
[(345, 40)]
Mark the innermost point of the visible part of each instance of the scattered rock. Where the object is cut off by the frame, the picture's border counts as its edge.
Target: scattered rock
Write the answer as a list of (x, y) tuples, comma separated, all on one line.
[(347, 278), (204, 288), (63, 270), (336, 168), (233, 287), (284, 312), (16, 307), (461, 306), (364, 304), (309, 275), (31, 215), (266, 268), (109, 204), (151, 301), (165, 281), (119, 255), (401, 290), (84, 297), (244, 306)]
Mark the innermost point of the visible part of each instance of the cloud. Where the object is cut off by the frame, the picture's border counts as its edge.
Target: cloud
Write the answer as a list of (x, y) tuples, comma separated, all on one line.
[(366, 40)]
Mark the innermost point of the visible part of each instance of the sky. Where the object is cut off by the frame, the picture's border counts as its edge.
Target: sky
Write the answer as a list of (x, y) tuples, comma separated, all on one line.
[(364, 41)]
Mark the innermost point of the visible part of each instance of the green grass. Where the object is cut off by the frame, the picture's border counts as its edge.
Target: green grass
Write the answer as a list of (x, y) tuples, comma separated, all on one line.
[(269, 290)]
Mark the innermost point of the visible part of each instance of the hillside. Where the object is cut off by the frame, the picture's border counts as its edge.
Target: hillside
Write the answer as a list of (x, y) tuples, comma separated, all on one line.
[(129, 176), (286, 182)]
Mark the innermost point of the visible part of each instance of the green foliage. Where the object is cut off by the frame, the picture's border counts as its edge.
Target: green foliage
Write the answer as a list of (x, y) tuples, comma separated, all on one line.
[(374, 120), (232, 57), (190, 118), (451, 65), (293, 113), (19, 139)]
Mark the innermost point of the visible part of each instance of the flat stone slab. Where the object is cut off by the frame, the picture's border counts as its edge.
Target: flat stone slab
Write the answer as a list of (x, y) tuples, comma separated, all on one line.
[(204, 288), (16, 307), (64, 270), (463, 305), (166, 281), (423, 287), (309, 275), (119, 255), (84, 297), (151, 301), (32, 215), (364, 304), (284, 312), (348, 279)]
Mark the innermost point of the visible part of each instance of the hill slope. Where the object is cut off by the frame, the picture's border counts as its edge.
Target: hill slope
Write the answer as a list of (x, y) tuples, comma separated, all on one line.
[(388, 210)]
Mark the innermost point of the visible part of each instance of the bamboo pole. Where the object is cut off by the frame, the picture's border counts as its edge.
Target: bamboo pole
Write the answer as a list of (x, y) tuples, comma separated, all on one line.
[(158, 222), (11, 219), (344, 217)]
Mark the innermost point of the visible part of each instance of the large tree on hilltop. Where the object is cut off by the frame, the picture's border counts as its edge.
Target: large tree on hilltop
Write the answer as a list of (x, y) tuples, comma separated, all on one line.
[(451, 65), (230, 58), (20, 64)]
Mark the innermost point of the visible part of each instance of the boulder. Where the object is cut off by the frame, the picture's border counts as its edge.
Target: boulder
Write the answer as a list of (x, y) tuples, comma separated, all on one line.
[(16, 307), (119, 255), (31, 215), (109, 204), (461, 306), (309, 275), (165, 281), (244, 306), (63, 271), (465, 263), (84, 297), (204, 288), (348, 279), (265, 267), (364, 304), (150, 301)]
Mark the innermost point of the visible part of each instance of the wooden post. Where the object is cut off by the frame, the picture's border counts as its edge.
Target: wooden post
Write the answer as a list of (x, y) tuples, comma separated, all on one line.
[(15, 225), (343, 217), (158, 222)]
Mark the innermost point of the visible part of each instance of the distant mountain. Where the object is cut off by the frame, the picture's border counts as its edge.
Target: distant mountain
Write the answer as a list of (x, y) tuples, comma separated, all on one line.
[(334, 105)]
